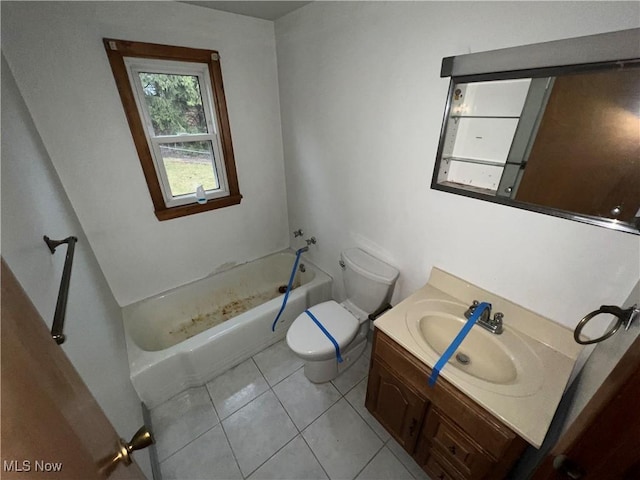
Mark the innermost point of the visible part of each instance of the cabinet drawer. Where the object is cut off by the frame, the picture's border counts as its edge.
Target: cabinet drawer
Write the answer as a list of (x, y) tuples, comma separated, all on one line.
[(438, 469), (476, 422), (454, 445)]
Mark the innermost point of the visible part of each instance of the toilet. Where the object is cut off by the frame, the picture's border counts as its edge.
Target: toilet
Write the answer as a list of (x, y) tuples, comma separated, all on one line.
[(369, 284)]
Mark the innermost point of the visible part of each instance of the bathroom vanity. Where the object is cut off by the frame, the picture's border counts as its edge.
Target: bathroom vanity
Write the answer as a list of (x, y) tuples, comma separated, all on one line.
[(448, 434), (479, 417)]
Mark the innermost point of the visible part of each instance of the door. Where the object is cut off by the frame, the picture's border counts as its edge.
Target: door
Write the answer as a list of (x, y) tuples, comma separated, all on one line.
[(590, 129), (52, 427), (604, 440)]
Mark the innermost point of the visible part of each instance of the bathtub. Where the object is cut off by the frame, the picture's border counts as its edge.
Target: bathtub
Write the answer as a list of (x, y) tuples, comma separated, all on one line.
[(185, 337)]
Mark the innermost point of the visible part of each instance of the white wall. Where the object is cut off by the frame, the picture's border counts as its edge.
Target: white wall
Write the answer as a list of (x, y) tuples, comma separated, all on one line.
[(56, 54), (362, 105), (33, 205)]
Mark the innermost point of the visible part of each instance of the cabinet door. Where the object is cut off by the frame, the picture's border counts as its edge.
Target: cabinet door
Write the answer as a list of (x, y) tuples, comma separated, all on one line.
[(395, 405)]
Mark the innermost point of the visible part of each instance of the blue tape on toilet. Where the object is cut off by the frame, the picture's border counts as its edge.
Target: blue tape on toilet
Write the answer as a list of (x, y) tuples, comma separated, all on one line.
[(329, 336), (456, 342)]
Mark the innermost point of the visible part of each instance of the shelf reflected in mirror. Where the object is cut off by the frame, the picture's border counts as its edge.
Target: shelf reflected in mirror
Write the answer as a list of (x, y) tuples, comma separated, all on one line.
[(560, 141)]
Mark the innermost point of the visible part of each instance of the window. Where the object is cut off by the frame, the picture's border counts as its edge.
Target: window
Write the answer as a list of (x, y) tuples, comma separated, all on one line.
[(173, 98)]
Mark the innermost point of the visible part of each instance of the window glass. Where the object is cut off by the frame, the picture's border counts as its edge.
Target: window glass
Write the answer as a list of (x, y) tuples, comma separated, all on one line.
[(189, 164), (174, 103)]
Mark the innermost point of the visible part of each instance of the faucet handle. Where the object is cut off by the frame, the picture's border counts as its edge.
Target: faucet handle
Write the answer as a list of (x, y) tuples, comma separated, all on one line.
[(471, 309), (497, 323)]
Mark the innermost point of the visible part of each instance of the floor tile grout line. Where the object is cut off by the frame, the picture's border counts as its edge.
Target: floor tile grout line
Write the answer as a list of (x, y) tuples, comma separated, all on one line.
[(384, 444), (300, 432), (233, 453), (399, 459), (255, 364), (258, 366), (285, 410), (244, 404), (287, 414), (274, 454), (219, 422), (315, 418), (314, 455), (151, 410), (370, 460), (189, 443), (229, 441), (263, 374), (362, 416), (365, 422), (280, 381), (213, 405)]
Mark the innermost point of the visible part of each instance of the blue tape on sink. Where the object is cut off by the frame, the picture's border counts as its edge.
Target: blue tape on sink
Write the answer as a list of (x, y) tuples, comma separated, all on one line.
[(456, 342)]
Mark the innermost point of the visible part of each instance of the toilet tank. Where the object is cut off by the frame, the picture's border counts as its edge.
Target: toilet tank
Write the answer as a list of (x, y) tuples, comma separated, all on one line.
[(368, 281)]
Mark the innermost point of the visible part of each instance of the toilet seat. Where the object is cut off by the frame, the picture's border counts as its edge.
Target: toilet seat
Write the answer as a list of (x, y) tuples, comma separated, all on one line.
[(307, 340)]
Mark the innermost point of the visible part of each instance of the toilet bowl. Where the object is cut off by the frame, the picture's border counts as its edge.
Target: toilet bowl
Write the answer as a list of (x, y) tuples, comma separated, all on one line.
[(368, 283)]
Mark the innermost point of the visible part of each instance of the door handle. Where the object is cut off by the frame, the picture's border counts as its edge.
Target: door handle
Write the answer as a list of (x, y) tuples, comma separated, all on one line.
[(141, 439), (567, 467)]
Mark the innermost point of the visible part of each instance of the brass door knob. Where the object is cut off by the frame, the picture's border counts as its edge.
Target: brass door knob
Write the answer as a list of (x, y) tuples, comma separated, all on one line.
[(141, 439)]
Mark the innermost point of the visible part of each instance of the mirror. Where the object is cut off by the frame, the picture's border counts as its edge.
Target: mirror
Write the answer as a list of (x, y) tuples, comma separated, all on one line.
[(563, 141)]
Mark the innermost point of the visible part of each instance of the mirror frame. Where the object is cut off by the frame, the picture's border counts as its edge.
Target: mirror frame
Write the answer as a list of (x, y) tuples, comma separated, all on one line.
[(449, 70)]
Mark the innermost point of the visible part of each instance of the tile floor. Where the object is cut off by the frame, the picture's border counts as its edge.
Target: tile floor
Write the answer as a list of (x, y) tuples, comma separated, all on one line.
[(264, 420)]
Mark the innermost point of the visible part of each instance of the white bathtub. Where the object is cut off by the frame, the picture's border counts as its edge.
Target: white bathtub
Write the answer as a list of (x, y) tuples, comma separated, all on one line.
[(175, 340)]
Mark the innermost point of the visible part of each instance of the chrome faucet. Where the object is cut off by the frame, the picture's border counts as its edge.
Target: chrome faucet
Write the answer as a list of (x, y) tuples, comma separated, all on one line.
[(494, 325)]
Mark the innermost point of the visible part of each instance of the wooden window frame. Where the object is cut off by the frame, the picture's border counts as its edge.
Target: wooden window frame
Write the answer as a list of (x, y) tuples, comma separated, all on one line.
[(117, 51)]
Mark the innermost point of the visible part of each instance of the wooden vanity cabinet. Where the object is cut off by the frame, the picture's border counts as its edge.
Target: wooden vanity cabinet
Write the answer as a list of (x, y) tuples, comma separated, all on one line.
[(447, 433), (396, 406)]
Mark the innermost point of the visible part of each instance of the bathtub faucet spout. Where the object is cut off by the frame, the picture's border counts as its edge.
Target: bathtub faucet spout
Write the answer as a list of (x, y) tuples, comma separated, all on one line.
[(303, 249)]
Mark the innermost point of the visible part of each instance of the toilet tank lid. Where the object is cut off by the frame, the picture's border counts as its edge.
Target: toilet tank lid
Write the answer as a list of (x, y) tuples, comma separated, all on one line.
[(369, 266)]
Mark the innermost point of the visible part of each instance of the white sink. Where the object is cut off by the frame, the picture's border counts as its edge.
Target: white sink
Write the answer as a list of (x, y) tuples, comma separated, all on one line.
[(503, 363)]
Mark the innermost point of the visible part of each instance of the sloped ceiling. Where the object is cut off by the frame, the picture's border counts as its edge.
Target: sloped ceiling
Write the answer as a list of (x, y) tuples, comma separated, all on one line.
[(265, 9)]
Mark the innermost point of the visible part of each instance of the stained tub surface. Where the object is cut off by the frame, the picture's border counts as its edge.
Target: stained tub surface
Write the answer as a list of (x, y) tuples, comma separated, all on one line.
[(186, 336)]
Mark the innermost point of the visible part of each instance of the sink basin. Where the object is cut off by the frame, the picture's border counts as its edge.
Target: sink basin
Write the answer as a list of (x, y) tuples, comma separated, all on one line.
[(502, 363), (478, 355)]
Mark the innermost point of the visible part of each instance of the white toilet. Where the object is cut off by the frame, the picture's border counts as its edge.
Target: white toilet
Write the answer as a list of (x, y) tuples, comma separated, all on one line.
[(368, 283)]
